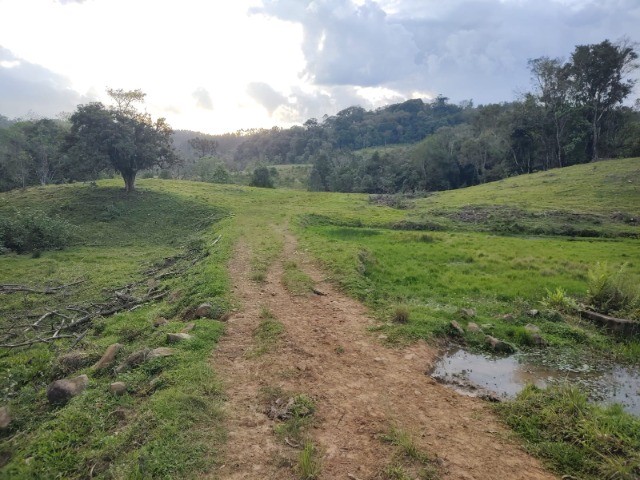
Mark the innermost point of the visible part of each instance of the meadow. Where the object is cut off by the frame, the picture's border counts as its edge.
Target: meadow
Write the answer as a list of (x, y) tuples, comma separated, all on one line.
[(499, 249)]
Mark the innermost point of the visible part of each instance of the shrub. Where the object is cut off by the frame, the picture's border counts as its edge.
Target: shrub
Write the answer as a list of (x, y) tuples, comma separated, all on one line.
[(612, 290), (559, 301), (401, 315), (33, 231)]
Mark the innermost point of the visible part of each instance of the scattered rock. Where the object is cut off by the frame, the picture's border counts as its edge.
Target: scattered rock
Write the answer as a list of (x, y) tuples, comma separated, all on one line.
[(133, 360), (72, 361), (160, 352), (508, 317), (533, 313), (61, 391), (178, 337), (160, 321), (188, 327), (538, 340), (5, 418), (621, 326), (531, 328), (456, 328), (467, 312), (120, 413), (204, 310), (108, 357), (118, 388), (499, 346), (474, 327), (382, 336), (487, 326), (318, 292)]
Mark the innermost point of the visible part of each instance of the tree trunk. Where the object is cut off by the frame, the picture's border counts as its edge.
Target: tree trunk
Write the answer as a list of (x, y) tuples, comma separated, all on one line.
[(129, 181)]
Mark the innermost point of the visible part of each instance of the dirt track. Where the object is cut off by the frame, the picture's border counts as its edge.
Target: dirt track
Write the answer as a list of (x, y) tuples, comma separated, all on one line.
[(360, 389)]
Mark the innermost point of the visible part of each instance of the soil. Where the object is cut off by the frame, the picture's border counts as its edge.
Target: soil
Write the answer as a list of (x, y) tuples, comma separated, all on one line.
[(361, 389)]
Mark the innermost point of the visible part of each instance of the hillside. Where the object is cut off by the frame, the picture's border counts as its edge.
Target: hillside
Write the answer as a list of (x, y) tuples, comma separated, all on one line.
[(343, 381)]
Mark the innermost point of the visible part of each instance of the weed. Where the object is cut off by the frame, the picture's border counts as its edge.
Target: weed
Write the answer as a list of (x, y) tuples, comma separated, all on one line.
[(410, 461), (267, 333), (295, 280), (308, 464), (401, 315), (558, 300), (613, 290)]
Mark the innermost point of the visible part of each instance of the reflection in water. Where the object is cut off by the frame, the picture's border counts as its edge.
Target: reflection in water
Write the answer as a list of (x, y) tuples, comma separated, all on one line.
[(506, 376)]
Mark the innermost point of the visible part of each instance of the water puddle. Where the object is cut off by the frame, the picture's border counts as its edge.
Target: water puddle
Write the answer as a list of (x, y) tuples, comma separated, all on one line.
[(503, 377)]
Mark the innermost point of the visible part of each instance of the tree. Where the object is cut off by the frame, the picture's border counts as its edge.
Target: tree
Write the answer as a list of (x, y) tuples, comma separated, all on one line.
[(320, 173), (205, 147), (120, 136), (598, 74), (261, 178)]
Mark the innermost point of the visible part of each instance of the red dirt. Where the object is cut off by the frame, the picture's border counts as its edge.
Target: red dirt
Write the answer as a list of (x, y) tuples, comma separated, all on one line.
[(361, 388)]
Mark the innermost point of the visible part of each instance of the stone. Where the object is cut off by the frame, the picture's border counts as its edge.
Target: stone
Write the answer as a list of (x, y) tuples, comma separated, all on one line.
[(72, 361), (118, 388), (61, 391), (133, 360), (474, 327), (499, 346), (538, 340), (456, 328), (178, 337), (204, 310), (120, 413), (108, 356), (5, 418), (160, 321), (467, 312), (531, 328), (620, 326), (188, 327), (533, 313), (508, 317), (160, 352)]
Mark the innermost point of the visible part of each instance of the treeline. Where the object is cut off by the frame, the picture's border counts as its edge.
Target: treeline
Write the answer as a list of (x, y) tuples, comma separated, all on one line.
[(574, 114)]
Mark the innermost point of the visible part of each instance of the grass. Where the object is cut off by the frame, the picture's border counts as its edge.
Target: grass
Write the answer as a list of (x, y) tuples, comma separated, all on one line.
[(267, 333), (409, 461), (575, 437), (295, 280), (308, 463)]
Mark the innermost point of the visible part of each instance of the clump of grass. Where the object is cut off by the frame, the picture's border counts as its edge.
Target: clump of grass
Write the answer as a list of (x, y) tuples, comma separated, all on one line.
[(297, 418), (295, 280), (575, 437), (559, 301), (267, 333), (308, 464), (401, 315), (613, 290), (409, 461)]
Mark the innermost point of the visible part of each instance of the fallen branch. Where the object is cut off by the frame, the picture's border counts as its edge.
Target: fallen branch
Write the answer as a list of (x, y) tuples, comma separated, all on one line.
[(13, 288)]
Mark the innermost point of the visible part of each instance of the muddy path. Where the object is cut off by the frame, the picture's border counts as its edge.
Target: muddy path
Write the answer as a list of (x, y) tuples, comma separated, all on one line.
[(361, 389)]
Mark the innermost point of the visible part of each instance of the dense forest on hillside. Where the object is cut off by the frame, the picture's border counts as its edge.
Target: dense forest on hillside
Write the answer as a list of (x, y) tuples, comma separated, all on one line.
[(574, 114)]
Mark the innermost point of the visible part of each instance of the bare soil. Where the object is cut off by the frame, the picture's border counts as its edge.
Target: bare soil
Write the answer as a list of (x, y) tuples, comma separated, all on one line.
[(361, 389)]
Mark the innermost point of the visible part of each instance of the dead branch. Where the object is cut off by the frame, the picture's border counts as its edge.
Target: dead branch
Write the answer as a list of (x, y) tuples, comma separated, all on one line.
[(14, 288)]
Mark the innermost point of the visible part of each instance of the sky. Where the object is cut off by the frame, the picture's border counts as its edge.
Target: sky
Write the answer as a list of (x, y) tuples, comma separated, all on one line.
[(218, 66)]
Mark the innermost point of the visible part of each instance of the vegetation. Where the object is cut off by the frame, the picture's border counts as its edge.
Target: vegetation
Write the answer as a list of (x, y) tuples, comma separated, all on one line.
[(409, 461), (33, 231), (575, 437)]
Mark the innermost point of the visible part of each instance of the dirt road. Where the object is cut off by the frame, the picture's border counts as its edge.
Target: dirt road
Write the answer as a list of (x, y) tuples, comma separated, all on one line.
[(361, 389)]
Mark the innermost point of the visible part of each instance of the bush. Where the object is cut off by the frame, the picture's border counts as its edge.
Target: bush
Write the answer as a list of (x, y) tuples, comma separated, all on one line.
[(612, 291), (559, 301), (33, 231)]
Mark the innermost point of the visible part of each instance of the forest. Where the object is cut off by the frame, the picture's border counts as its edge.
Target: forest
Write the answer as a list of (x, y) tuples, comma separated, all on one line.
[(577, 111)]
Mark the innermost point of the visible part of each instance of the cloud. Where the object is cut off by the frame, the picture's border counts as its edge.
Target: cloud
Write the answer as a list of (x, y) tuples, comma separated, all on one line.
[(266, 96), (27, 88), (66, 2), (460, 48), (203, 99)]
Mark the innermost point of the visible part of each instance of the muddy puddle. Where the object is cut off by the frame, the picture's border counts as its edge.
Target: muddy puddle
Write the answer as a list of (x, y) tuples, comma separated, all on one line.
[(503, 377)]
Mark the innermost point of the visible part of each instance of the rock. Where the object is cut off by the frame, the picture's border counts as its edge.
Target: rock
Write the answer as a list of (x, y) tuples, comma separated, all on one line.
[(467, 312), (620, 326), (456, 328), (538, 340), (72, 361), (133, 360), (160, 352), (160, 321), (118, 388), (487, 326), (499, 346), (474, 327), (5, 418), (533, 313), (120, 413), (204, 310), (108, 357), (61, 391), (188, 327), (531, 328), (508, 317), (178, 337)]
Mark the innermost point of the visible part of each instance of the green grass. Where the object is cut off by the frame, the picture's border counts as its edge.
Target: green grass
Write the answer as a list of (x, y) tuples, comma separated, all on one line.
[(308, 464), (409, 460), (575, 437), (295, 280), (267, 333)]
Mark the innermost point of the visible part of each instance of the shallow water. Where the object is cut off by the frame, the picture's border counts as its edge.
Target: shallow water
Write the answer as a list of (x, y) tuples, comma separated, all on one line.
[(474, 374)]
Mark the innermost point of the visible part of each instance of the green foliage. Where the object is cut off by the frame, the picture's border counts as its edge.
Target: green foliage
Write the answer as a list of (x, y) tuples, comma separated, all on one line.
[(262, 178), (559, 300), (267, 333), (295, 280), (308, 464), (613, 290), (575, 437), (24, 231)]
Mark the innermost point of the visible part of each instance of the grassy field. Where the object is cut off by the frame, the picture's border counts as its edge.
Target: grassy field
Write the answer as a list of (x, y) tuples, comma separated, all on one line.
[(496, 248)]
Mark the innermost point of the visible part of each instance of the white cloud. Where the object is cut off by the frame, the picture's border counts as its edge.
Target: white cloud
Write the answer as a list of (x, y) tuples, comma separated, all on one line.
[(203, 99)]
